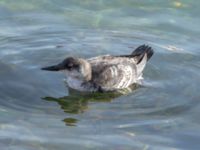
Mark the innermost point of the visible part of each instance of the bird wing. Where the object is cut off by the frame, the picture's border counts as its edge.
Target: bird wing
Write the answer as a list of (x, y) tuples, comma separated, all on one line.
[(117, 72), (114, 76)]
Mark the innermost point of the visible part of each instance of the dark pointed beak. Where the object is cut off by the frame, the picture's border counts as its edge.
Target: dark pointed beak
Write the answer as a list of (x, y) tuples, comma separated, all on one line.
[(54, 68)]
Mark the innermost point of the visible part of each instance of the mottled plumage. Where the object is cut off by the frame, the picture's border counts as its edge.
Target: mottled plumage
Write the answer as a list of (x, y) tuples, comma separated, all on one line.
[(105, 73)]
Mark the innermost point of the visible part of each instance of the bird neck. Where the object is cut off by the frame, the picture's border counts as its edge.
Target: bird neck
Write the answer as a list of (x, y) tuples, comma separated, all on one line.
[(86, 69)]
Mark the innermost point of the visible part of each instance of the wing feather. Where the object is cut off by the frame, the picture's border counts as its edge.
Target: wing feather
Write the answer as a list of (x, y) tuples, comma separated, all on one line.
[(116, 76)]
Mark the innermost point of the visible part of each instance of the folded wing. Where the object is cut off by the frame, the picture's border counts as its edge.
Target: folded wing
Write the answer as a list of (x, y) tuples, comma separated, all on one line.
[(114, 77)]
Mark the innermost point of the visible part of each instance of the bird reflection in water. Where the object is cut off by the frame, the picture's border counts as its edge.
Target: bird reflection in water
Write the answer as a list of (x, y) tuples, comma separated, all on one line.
[(77, 102)]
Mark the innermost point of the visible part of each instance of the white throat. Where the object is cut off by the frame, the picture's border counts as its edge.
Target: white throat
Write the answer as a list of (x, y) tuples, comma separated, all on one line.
[(75, 83), (80, 85)]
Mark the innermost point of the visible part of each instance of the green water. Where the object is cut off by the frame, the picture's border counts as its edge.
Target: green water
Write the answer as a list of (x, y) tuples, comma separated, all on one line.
[(36, 110)]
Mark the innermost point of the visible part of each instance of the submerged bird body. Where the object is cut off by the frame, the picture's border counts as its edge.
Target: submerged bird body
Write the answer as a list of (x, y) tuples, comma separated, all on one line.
[(105, 73)]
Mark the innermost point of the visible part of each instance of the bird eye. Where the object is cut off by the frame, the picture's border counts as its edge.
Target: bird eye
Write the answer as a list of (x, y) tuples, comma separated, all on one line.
[(70, 64), (69, 67)]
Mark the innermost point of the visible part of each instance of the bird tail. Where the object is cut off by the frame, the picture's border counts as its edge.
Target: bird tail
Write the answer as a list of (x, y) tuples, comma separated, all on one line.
[(140, 52)]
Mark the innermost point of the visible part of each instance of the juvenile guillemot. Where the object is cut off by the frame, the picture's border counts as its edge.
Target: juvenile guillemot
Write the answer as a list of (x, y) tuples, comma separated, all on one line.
[(104, 73)]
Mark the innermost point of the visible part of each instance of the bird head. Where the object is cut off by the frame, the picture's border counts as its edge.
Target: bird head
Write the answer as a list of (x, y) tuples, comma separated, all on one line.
[(73, 67)]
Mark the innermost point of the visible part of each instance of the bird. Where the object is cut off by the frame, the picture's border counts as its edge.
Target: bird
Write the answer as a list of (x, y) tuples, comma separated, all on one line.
[(104, 73)]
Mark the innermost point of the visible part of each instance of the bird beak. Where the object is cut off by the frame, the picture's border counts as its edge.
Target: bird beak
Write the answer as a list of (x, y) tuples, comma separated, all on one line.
[(54, 68)]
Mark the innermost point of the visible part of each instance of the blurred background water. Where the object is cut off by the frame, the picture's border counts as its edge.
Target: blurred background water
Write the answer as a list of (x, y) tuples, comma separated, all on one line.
[(35, 107)]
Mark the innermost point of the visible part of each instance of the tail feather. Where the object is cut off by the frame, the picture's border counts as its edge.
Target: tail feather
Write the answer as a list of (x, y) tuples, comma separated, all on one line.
[(141, 65), (142, 54), (141, 51)]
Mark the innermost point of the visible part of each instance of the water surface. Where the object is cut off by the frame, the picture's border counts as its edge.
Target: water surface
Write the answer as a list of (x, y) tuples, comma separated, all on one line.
[(36, 109)]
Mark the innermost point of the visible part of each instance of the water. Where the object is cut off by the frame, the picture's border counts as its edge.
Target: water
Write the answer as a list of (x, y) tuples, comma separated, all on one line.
[(38, 113)]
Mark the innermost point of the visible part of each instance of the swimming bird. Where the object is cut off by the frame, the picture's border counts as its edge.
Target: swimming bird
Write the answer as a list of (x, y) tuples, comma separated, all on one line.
[(104, 73)]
